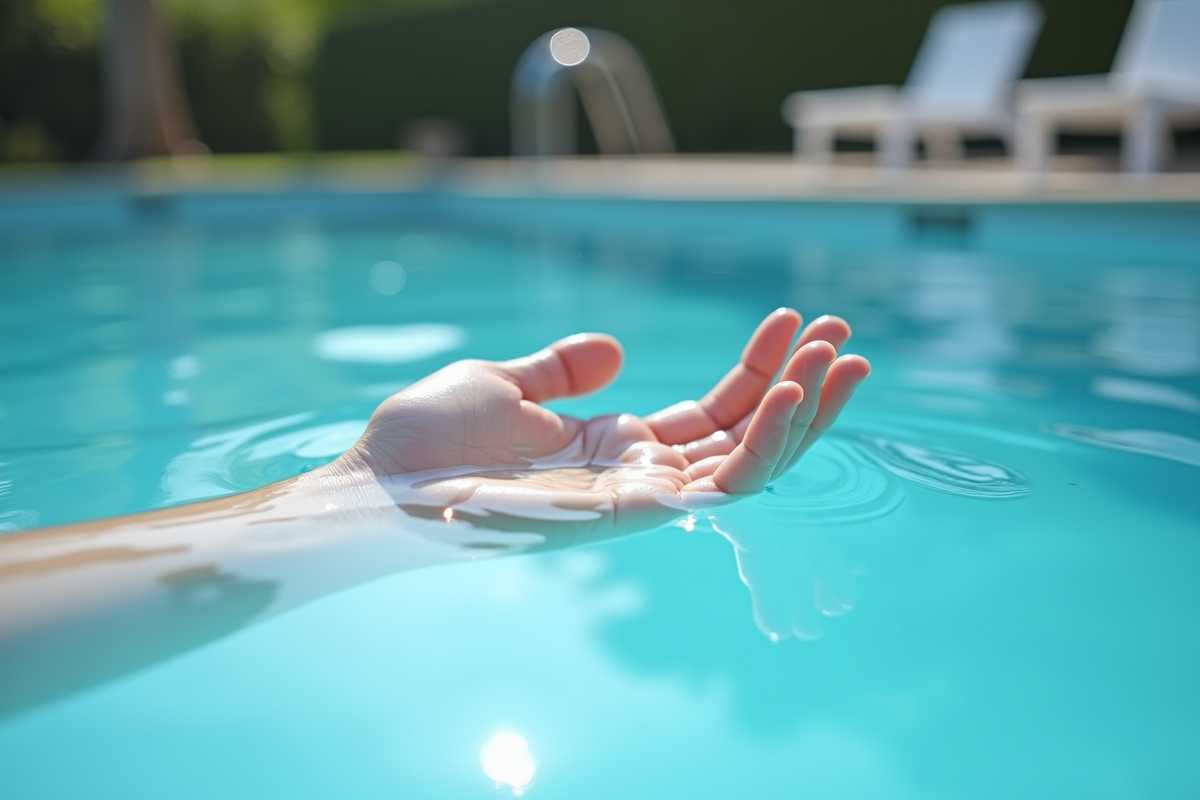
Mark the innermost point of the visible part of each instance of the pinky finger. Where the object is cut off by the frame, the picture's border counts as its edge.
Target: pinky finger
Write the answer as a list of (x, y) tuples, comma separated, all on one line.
[(747, 469)]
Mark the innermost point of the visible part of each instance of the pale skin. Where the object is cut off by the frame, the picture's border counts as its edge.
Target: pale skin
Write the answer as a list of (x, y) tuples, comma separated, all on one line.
[(463, 463)]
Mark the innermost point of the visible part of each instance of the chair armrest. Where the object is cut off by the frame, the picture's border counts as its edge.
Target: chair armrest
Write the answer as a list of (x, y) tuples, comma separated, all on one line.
[(1073, 93), (858, 105)]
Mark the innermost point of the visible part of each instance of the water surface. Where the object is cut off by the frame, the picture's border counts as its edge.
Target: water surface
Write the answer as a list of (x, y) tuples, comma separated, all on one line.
[(986, 580)]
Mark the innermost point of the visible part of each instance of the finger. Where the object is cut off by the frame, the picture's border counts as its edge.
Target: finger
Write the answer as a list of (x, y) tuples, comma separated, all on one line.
[(828, 328), (739, 391), (703, 468), (653, 454), (738, 431), (844, 376), (720, 443), (576, 365), (735, 434), (807, 368), (747, 469)]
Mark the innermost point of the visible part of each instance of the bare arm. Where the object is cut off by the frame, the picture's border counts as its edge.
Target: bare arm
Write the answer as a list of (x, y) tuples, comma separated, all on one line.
[(464, 464)]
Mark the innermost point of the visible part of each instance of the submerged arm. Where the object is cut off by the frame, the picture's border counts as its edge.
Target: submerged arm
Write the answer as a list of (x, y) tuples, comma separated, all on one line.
[(81, 604), (470, 445)]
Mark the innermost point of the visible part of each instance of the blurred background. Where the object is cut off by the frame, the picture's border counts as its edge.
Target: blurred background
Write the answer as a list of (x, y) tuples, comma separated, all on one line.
[(333, 75)]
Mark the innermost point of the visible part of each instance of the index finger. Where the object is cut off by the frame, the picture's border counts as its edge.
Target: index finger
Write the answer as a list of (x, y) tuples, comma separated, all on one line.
[(739, 392)]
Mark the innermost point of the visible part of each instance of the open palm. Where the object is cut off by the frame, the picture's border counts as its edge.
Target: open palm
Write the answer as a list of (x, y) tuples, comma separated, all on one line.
[(472, 444)]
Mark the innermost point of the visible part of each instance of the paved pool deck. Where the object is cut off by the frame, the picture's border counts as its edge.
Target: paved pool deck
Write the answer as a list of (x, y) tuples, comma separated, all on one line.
[(690, 177)]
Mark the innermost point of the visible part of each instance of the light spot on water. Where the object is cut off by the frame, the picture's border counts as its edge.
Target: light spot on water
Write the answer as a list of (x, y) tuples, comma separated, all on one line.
[(388, 344), (183, 367), (388, 277), (448, 515), (175, 397), (507, 761)]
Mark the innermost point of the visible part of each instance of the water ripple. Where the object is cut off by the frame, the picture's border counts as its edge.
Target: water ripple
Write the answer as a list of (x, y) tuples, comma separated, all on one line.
[(254, 456), (832, 484), (942, 470)]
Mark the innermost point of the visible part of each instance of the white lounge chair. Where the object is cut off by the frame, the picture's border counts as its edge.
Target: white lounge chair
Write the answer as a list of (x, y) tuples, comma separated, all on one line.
[(961, 82), (1155, 83)]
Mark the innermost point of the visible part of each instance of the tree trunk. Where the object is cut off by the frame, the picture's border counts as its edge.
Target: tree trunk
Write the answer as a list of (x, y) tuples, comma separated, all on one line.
[(145, 109)]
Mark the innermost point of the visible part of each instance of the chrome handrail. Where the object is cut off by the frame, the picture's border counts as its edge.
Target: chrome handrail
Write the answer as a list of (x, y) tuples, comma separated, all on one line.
[(614, 86)]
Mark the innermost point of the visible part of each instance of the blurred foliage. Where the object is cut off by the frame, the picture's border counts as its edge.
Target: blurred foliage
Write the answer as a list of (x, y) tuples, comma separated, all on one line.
[(49, 82), (722, 67), (245, 65), (295, 75)]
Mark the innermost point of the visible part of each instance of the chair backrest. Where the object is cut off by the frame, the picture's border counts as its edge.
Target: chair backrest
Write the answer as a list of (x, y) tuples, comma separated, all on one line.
[(1159, 55), (970, 58)]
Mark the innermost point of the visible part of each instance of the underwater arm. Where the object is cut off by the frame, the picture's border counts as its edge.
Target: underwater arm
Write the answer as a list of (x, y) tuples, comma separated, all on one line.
[(82, 604), (464, 463)]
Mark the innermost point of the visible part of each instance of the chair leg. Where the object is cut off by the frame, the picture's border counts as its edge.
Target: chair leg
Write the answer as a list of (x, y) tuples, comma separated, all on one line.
[(1142, 142), (1033, 143), (814, 144), (896, 145), (943, 144)]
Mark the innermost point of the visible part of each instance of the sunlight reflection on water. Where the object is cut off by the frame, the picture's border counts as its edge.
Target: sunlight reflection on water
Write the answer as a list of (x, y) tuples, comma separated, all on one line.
[(388, 344)]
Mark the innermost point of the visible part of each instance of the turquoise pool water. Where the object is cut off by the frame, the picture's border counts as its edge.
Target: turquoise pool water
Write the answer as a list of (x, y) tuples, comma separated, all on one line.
[(984, 584)]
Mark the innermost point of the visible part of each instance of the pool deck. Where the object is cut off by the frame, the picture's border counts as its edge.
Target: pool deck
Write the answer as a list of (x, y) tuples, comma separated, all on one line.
[(689, 177)]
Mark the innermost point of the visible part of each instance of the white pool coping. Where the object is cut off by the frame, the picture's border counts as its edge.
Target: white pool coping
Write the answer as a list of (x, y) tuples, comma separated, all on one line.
[(681, 177)]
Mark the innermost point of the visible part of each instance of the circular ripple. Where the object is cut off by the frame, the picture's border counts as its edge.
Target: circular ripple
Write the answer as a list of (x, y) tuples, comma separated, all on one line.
[(942, 470), (254, 456), (832, 484)]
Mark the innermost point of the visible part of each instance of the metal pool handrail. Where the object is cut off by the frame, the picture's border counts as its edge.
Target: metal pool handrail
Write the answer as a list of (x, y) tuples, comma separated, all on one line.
[(613, 83)]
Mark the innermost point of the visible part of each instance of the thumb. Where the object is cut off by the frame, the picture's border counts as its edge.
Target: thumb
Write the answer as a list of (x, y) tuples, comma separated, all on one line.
[(576, 365)]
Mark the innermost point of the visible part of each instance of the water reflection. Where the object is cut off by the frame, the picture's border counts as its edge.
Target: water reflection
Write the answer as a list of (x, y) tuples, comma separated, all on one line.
[(1152, 393), (1155, 323), (783, 540), (388, 344), (963, 295), (1160, 444), (793, 573)]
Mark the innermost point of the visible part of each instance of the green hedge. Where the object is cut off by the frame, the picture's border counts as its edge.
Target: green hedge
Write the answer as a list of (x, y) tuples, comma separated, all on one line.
[(722, 67)]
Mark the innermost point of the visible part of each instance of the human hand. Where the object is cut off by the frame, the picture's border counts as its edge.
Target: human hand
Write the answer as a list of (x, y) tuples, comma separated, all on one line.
[(471, 443)]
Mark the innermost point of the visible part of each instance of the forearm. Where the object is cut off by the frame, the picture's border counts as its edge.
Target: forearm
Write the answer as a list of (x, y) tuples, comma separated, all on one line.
[(84, 603)]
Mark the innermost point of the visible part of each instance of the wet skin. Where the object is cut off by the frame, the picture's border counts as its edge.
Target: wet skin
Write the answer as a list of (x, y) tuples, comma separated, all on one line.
[(465, 460)]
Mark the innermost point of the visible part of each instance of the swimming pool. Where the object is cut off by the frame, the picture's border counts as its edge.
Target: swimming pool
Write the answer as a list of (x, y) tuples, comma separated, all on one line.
[(983, 584)]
